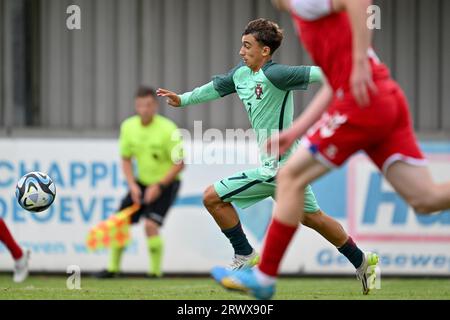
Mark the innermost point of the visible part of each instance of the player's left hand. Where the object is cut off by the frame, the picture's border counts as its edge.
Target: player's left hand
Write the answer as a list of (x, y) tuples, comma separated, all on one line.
[(361, 82), (172, 98), (152, 193), (278, 144)]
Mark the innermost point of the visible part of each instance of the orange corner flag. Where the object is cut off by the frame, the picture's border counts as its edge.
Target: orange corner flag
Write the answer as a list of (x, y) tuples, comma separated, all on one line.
[(112, 232)]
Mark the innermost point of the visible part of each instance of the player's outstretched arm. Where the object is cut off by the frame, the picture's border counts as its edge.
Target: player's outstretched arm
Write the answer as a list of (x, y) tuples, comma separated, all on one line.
[(361, 81), (313, 110), (289, 78), (199, 95), (172, 98)]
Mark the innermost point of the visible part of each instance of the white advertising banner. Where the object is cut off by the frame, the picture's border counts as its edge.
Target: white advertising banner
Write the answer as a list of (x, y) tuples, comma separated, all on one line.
[(90, 185)]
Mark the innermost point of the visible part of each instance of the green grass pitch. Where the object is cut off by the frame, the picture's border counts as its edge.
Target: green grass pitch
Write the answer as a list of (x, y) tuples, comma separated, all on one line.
[(54, 287)]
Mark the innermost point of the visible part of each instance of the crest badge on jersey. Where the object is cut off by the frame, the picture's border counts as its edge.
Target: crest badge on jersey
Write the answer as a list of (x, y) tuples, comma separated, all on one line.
[(258, 91)]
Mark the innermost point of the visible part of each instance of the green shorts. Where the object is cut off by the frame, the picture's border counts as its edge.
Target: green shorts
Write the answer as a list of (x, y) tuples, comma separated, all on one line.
[(246, 188)]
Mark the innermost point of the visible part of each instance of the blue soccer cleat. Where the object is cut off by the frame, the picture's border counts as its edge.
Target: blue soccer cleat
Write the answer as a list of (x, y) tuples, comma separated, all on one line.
[(243, 281)]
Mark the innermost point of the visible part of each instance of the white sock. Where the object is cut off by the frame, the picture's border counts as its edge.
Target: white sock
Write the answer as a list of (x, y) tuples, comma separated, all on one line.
[(20, 261), (264, 279)]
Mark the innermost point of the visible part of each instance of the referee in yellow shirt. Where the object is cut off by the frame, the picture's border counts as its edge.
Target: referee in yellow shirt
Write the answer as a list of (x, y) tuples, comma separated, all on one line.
[(154, 143)]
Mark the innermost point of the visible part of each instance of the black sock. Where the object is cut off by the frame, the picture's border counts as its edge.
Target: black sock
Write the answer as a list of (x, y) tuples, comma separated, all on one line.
[(352, 252), (238, 240)]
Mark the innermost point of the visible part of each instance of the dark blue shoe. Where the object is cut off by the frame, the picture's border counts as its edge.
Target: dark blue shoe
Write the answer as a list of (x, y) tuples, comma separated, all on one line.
[(243, 281)]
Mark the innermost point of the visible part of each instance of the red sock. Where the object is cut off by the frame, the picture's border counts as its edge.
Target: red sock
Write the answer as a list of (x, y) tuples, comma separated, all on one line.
[(278, 238), (8, 240)]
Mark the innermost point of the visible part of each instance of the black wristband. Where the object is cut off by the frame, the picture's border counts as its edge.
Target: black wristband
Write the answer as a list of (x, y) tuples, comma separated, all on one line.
[(162, 187)]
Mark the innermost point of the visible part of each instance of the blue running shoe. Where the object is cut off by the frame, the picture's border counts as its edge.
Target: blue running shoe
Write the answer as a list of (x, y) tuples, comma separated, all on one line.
[(243, 281)]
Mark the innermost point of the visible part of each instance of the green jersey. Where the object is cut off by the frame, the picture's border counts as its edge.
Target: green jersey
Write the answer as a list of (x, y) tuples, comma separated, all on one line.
[(155, 147), (267, 97)]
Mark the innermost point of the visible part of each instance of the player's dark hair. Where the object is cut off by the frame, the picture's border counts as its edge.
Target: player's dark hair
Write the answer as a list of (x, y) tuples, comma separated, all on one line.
[(145, 91), (265, 32)]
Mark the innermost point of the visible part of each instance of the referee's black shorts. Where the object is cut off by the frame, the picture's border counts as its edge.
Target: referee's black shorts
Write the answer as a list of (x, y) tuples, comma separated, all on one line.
[(157, 210)]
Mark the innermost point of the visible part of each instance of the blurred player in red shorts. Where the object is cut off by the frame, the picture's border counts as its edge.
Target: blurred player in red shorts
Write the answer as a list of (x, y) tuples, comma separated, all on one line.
[(20, 256), (361, 108)]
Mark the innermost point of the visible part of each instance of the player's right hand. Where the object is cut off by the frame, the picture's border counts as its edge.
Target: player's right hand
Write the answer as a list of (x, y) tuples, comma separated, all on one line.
[(361, 82), (136, 194), (278, 144), (172, 98)]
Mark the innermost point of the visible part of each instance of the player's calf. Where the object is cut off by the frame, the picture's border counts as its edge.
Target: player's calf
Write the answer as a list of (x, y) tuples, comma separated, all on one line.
[(212, 201)]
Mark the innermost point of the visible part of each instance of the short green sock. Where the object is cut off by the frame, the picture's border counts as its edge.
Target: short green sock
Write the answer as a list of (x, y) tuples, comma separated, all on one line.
[(155, 248), (114, 259)]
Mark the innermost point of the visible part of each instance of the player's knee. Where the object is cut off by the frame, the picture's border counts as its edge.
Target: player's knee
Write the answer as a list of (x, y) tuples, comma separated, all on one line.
[(288, 177), (312, 220), (210, 198), (285, 175), (422, 200), (422, 204), (151, 228)]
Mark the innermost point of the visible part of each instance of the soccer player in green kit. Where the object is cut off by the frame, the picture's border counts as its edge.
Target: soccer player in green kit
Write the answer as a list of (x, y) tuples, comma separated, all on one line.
[(265, 88)]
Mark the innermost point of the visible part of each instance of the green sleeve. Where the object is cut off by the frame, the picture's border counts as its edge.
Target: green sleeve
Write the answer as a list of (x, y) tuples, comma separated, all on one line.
[(220, 86), (124, 145), (201, 94), (289, 78), (315, 75), (224, 83)]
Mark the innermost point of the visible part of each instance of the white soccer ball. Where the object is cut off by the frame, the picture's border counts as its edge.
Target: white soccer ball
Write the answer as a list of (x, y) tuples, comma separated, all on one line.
[(35, 191)]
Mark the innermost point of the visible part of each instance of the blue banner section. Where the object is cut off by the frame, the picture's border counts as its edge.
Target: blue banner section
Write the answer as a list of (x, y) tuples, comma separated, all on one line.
[(415, 262), (331, 193), (72, 179), (63, 248), (376, 197), (325, 258), (65, 210), (71, 175)]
